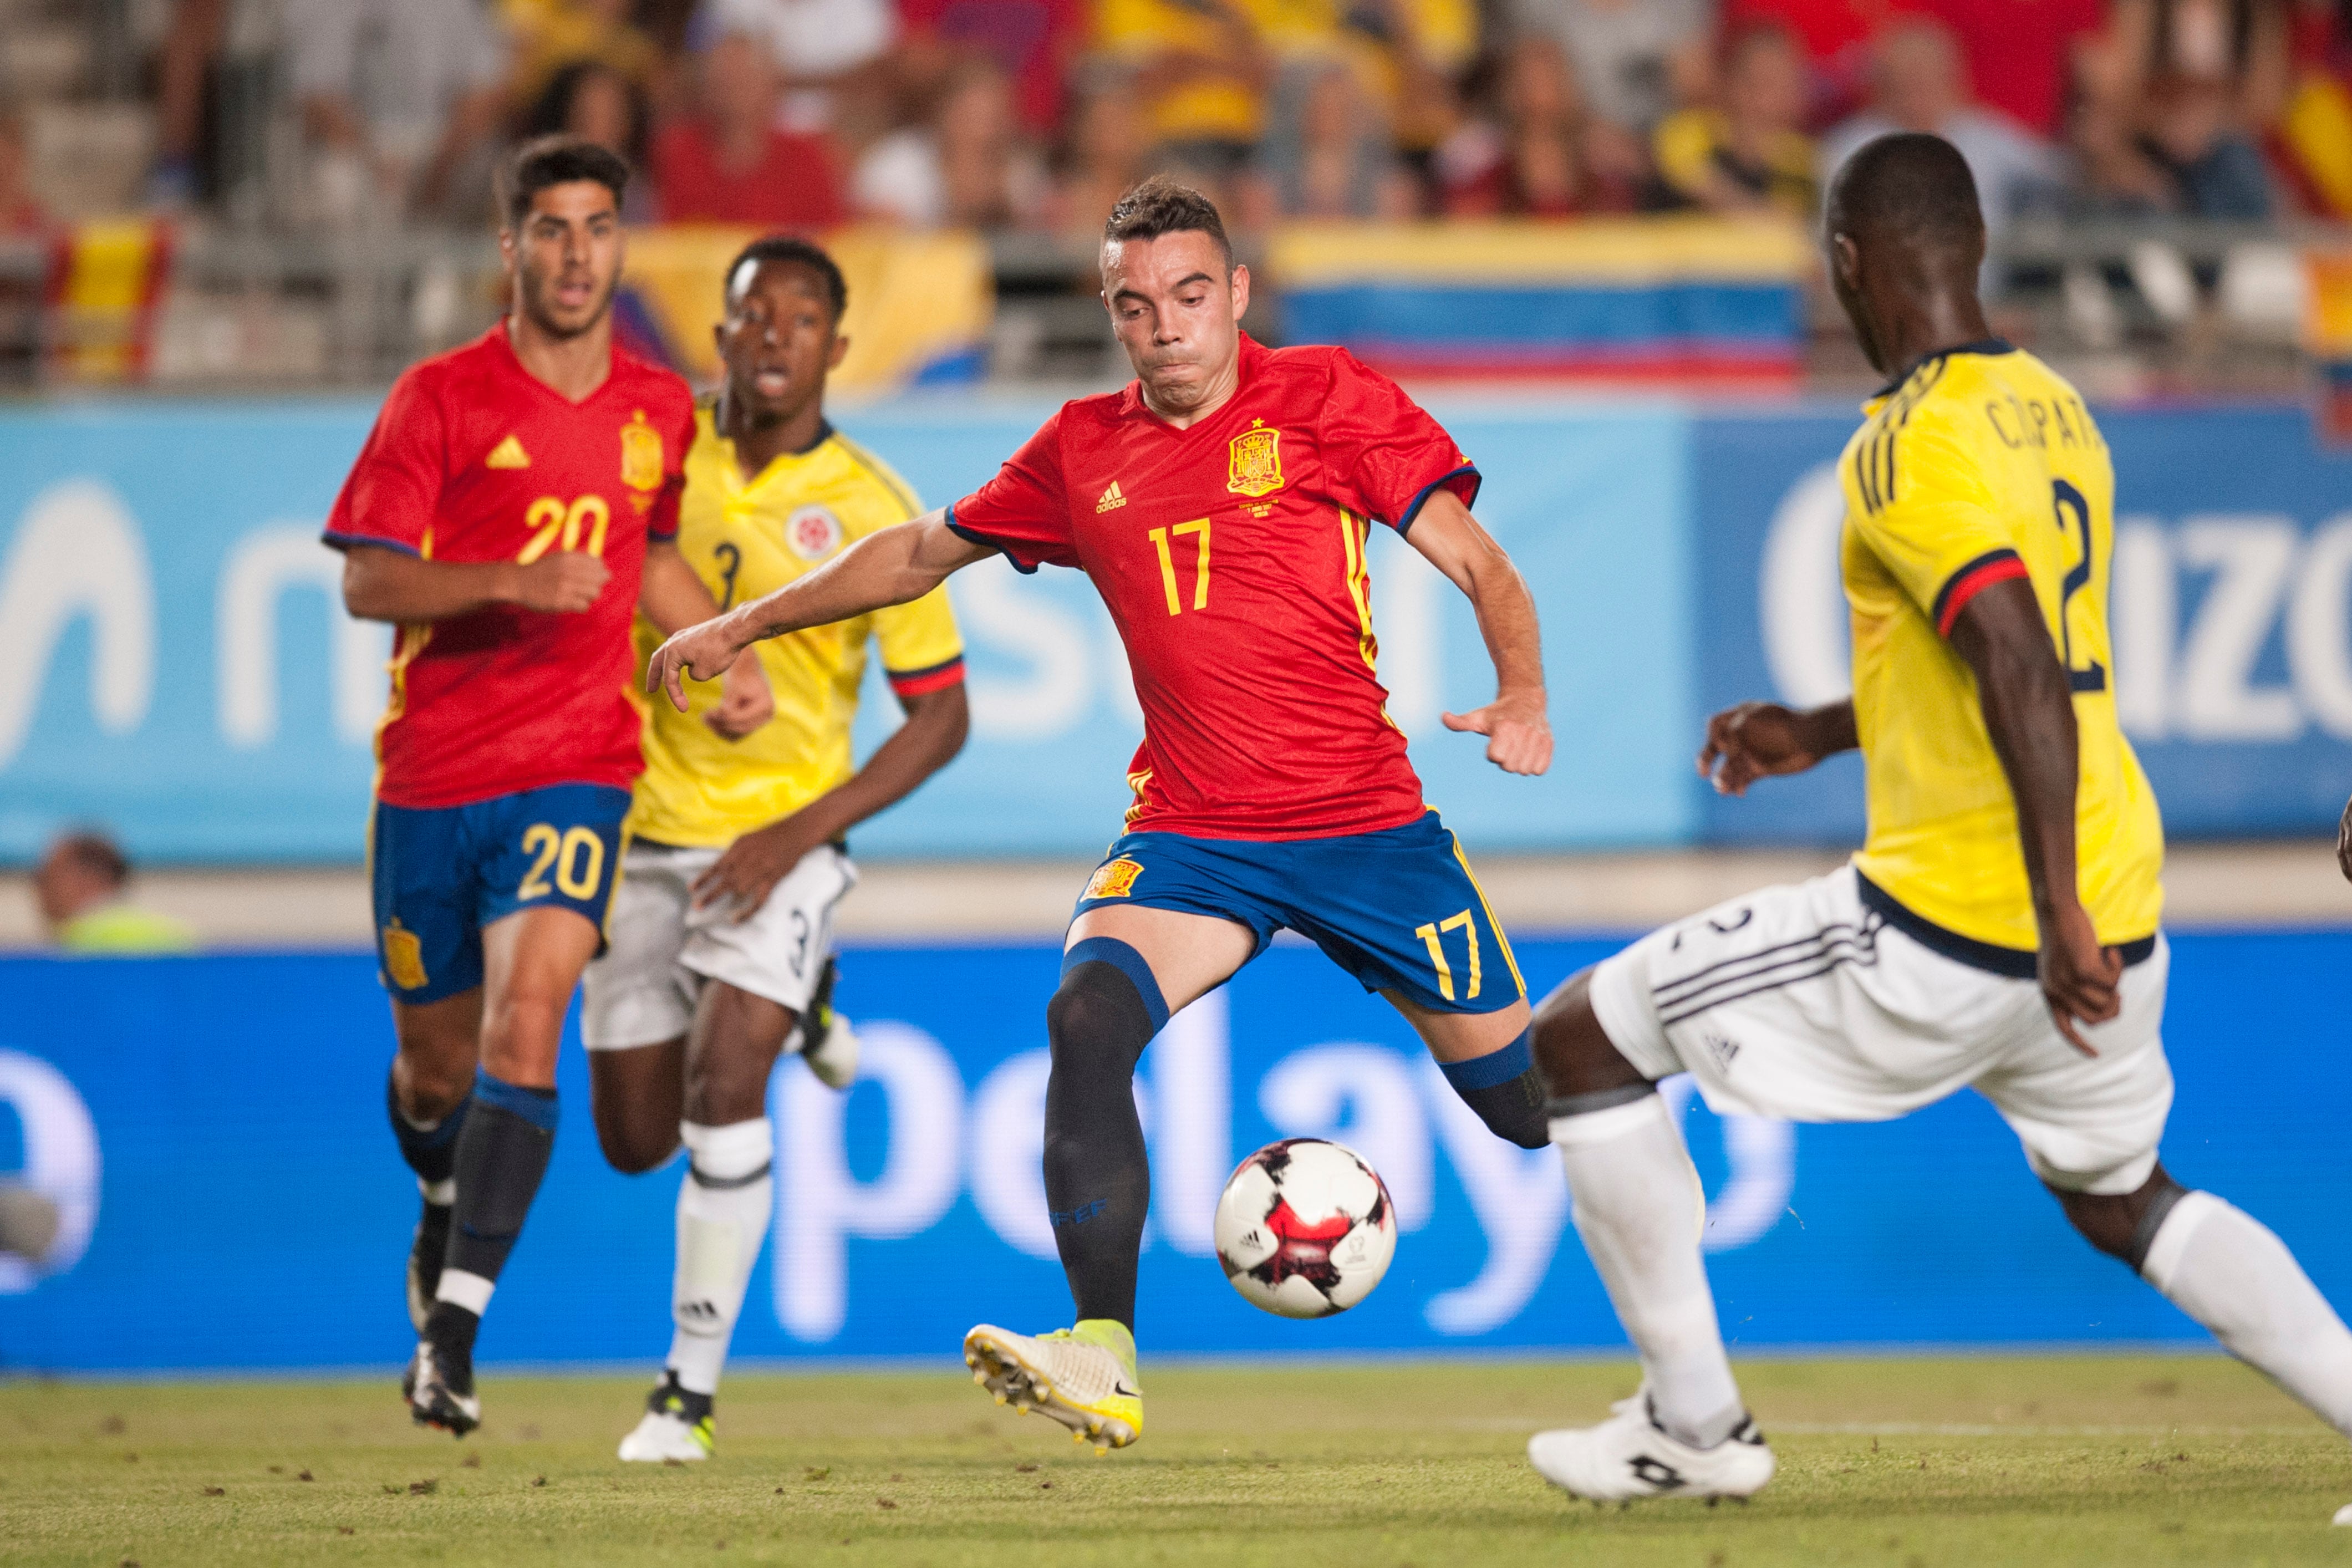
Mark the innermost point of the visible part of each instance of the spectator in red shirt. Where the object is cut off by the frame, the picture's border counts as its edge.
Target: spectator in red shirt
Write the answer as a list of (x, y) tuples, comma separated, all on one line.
[(730, 163), (1543, 157), (1030, 41), (20, 210)]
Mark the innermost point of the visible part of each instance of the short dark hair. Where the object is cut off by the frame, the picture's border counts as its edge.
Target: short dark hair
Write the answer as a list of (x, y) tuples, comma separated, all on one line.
[(96, 853), (1909, 184), (797, 252), (546, 161), (1161, 206)]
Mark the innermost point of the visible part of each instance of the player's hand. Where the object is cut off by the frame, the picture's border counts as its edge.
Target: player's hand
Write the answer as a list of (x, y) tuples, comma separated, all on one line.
[(749, 868), (1754, 740), (2080, 979), (745, 700), (702, 652), (2343, 843), (562, 582), (1518, 735)]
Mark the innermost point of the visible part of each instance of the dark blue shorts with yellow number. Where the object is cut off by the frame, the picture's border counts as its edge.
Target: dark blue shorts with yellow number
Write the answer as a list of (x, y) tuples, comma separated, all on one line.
[(440, 875), (1399, 910)]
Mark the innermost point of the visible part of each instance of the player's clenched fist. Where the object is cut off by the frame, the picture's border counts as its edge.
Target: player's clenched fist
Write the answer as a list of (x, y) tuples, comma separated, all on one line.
[(703, 652), (564, 582), (1764, 740), (1518, 735)]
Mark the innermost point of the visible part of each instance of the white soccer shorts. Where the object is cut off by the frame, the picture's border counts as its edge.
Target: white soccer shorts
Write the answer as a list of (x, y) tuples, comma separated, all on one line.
[(1803, 1004), (659, 948)]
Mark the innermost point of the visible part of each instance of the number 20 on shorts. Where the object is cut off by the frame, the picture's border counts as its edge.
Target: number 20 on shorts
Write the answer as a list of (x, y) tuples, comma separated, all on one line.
[(575, 855)]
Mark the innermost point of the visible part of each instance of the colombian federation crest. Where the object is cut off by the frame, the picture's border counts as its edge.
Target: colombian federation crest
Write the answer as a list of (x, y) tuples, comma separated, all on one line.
[(1256, 465), (812, 533), (641, 454)]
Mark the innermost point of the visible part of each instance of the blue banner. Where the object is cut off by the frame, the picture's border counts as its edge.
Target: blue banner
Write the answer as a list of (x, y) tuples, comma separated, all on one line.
[(213, 1130), (185, 675), (2232, 610)]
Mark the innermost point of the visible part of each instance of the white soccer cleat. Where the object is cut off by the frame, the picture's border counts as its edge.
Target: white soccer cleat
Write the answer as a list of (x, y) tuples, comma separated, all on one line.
[(1628, 1456), (1082, 1377), (834, 1054), (2343, 1514), (662, 1437)]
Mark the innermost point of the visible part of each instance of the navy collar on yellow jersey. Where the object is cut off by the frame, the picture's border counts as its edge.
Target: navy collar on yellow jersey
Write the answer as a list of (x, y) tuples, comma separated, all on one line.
[(823, 434), (1981, 346)]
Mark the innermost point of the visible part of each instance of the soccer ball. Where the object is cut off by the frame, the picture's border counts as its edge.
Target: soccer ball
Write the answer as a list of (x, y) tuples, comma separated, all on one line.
[(1305, 1229)]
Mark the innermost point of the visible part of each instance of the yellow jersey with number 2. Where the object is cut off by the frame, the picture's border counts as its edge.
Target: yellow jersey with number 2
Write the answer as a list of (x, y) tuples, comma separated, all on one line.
[(1983, 466), (748, 537)]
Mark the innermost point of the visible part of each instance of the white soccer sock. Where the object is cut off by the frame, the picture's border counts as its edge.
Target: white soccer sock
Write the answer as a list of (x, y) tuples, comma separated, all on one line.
[(723, 1207), (2226, 1269), (1639, 1208)]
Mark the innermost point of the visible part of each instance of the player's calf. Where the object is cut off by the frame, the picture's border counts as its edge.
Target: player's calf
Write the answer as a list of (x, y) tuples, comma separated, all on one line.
[(637, 1095), (2229, 1271), (1098, 1171)]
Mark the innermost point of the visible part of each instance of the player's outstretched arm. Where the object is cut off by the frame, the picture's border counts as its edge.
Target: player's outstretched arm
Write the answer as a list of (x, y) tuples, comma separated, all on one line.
[(2029, 711), (1764, 740), (1516, 727), (892, 567), (381, 584)]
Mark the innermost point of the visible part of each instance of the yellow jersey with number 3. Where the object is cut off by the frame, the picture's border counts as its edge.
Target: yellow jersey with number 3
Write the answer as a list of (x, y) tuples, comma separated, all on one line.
[(748, 537), (1983, 466)]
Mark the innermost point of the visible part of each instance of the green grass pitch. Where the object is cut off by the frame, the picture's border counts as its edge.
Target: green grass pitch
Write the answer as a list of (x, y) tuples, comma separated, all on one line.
[(2139, 1460)]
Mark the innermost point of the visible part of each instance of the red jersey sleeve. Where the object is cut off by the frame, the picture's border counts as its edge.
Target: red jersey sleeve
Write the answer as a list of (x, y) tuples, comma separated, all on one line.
[(393, 490), (661, 523), (1025, 510), (1382, 454)]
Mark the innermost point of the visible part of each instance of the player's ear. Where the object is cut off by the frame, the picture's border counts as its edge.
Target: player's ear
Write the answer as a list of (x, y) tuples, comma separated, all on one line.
[(1846, 258), (840, 350), (1241, 286)]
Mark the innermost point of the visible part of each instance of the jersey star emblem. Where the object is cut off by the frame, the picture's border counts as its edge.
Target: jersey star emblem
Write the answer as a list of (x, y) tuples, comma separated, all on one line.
[(508, 454)]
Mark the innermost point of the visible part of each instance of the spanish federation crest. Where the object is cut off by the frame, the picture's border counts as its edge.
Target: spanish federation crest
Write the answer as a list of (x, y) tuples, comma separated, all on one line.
[(641, 454), (1112, 879), (1257, 467)]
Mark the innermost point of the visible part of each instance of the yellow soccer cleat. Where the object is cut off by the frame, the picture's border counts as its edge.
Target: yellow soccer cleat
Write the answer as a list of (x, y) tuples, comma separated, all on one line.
[(1083, 1377)]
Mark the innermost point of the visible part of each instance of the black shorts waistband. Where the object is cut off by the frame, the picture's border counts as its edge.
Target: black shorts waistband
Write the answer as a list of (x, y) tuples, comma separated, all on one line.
[(2014, 963)]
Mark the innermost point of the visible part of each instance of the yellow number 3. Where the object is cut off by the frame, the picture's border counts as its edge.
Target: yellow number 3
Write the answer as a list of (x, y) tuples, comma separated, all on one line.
[(577, 855)]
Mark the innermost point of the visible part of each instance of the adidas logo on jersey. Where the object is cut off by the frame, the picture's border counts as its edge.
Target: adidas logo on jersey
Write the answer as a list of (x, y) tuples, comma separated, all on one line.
[(1111, 500), (508, 454)]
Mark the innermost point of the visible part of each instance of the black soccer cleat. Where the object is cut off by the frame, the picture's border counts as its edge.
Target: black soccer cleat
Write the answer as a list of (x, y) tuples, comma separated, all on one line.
[(426, 1252), (439, 1388)]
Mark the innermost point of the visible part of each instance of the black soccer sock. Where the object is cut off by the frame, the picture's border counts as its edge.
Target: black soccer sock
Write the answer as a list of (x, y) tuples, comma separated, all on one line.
[(1098, 1172), (1505, 1090), (502, 1156), (431, 1151)]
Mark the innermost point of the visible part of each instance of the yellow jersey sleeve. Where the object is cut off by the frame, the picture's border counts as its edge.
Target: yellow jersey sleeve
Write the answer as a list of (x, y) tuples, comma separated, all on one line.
[(1920, 503), (923, 651)]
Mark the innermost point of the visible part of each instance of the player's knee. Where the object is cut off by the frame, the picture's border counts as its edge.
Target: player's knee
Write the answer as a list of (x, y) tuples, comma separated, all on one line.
[(430, 1084), (1573, 1053), (1505, 1091), (1102, 1012), (634, 1144), (2122, 1225)]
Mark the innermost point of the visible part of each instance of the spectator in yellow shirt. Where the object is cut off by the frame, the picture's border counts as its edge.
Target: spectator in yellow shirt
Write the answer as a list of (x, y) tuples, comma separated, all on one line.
[(1748, 156), (83, 887)]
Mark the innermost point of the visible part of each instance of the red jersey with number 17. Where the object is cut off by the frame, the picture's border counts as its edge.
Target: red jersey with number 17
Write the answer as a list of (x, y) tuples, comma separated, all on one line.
[(474, 458), (1231, 555)]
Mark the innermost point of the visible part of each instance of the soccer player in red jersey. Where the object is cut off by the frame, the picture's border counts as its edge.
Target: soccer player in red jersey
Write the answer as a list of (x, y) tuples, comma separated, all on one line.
[(512, 507), (1220, 505)]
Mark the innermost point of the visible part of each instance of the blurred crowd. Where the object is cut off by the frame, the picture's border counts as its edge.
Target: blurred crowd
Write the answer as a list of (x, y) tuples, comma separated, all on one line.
[(1033, 114)]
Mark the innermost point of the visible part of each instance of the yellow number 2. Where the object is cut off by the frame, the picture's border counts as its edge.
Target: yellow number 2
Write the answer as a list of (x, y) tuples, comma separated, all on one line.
[(1430, 934), (577, 856), (1168, 566)]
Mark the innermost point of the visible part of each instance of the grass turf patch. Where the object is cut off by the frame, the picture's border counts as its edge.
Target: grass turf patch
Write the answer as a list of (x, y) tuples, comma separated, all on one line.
[(2140, 1461)]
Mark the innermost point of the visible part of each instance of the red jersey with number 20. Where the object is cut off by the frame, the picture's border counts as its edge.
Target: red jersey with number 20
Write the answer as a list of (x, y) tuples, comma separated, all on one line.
[(474, 458), (1231, 557)]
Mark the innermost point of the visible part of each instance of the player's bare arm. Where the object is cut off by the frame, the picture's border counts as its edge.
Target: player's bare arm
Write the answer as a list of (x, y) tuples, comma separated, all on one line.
[(1517, 732), (1764, 740), (382, 584), (895, 567), (934, 731), (2029, 711), (672, 597)]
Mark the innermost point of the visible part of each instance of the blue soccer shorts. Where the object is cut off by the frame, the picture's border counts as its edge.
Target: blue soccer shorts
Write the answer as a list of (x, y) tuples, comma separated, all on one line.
[(1400, 909), (440, 875)]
